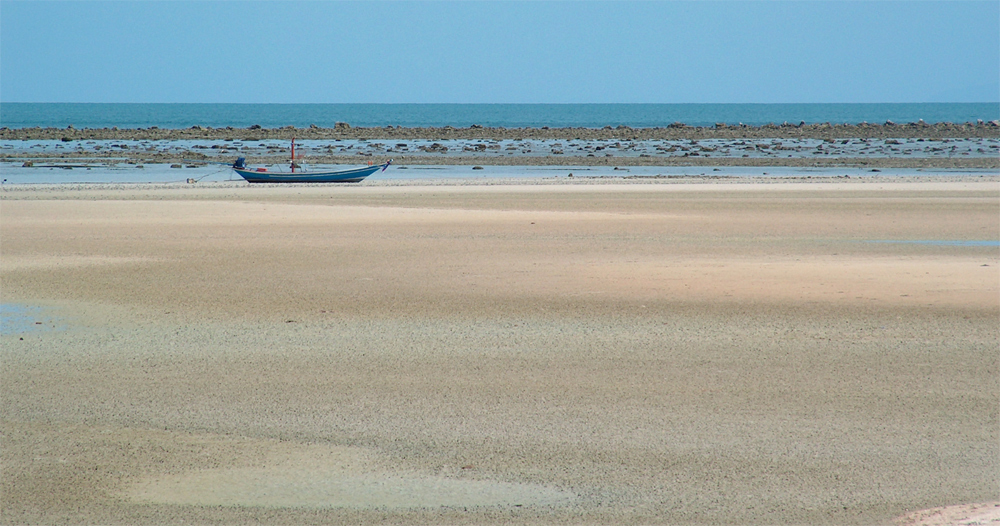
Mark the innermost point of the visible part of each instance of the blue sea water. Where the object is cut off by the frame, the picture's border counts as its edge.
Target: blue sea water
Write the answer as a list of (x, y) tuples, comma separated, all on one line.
[(16, 318), (82, 115)]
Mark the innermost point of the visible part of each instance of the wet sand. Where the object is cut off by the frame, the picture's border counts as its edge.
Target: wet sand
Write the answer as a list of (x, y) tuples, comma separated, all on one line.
[(724, 353)]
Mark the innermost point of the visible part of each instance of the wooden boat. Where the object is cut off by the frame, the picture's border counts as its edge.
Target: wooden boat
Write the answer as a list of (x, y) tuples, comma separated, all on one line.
[(262, 175), (353, 175)]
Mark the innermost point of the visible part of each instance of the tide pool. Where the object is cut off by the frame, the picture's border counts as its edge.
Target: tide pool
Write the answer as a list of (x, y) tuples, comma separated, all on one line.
[(18, 318)]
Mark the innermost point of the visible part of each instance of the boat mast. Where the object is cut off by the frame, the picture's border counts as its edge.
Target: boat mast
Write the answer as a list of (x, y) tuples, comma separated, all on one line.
[(293, 154)]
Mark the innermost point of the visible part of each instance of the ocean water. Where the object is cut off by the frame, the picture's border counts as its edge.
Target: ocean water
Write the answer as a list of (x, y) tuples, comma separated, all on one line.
[(61, 115)]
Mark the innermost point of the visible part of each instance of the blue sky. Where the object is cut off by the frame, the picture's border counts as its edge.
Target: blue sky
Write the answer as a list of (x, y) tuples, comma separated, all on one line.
[(500, 52)]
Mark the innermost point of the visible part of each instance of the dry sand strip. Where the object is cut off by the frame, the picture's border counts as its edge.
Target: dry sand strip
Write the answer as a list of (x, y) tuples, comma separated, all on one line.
[(580, 354)]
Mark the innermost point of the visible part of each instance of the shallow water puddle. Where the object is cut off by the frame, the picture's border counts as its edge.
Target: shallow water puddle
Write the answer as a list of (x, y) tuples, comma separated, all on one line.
[(334, 477), (17, 318)]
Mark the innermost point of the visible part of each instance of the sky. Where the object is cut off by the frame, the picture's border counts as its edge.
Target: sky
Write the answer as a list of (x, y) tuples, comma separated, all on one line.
[(500, 52)]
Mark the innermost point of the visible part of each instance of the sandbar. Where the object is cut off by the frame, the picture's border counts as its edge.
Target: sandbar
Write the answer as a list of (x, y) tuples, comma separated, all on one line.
[(782, 353)]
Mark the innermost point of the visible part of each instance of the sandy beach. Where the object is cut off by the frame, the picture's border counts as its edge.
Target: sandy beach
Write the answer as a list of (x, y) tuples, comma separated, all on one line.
[(658, 353)]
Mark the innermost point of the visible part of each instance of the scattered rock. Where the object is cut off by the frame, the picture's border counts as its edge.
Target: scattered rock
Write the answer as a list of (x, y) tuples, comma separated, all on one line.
[(721, 131)]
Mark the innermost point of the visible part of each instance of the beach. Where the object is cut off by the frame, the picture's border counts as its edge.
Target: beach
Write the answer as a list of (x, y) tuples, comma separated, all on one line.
[(649, 351)]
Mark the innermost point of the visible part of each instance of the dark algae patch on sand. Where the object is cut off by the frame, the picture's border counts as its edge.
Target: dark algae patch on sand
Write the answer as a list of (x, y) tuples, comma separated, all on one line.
[(674, 132)]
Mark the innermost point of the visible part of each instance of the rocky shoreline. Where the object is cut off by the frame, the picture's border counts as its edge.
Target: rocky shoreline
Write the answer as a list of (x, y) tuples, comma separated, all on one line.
[(194, 158), (676, 131), (974, 146)]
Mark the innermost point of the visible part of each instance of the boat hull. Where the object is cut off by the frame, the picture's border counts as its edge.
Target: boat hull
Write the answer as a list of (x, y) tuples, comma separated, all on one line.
[(342, 176)]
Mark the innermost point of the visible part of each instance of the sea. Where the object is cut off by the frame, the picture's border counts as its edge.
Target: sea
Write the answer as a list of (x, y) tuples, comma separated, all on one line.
[(176, 116)]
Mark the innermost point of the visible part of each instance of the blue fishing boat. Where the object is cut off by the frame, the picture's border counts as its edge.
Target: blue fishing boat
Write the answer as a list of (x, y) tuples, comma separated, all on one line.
[(353, 175), (262, 175)]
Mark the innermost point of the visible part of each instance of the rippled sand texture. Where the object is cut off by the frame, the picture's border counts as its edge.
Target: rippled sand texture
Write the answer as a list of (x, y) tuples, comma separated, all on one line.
[(703, 354)]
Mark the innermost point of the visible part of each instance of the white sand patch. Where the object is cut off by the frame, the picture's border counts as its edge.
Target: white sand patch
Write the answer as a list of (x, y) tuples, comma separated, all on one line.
[(334, 477), (958, 515), (11, 263)]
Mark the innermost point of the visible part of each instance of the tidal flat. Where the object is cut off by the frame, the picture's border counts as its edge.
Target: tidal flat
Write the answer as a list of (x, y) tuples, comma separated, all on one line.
[(577, 353)]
